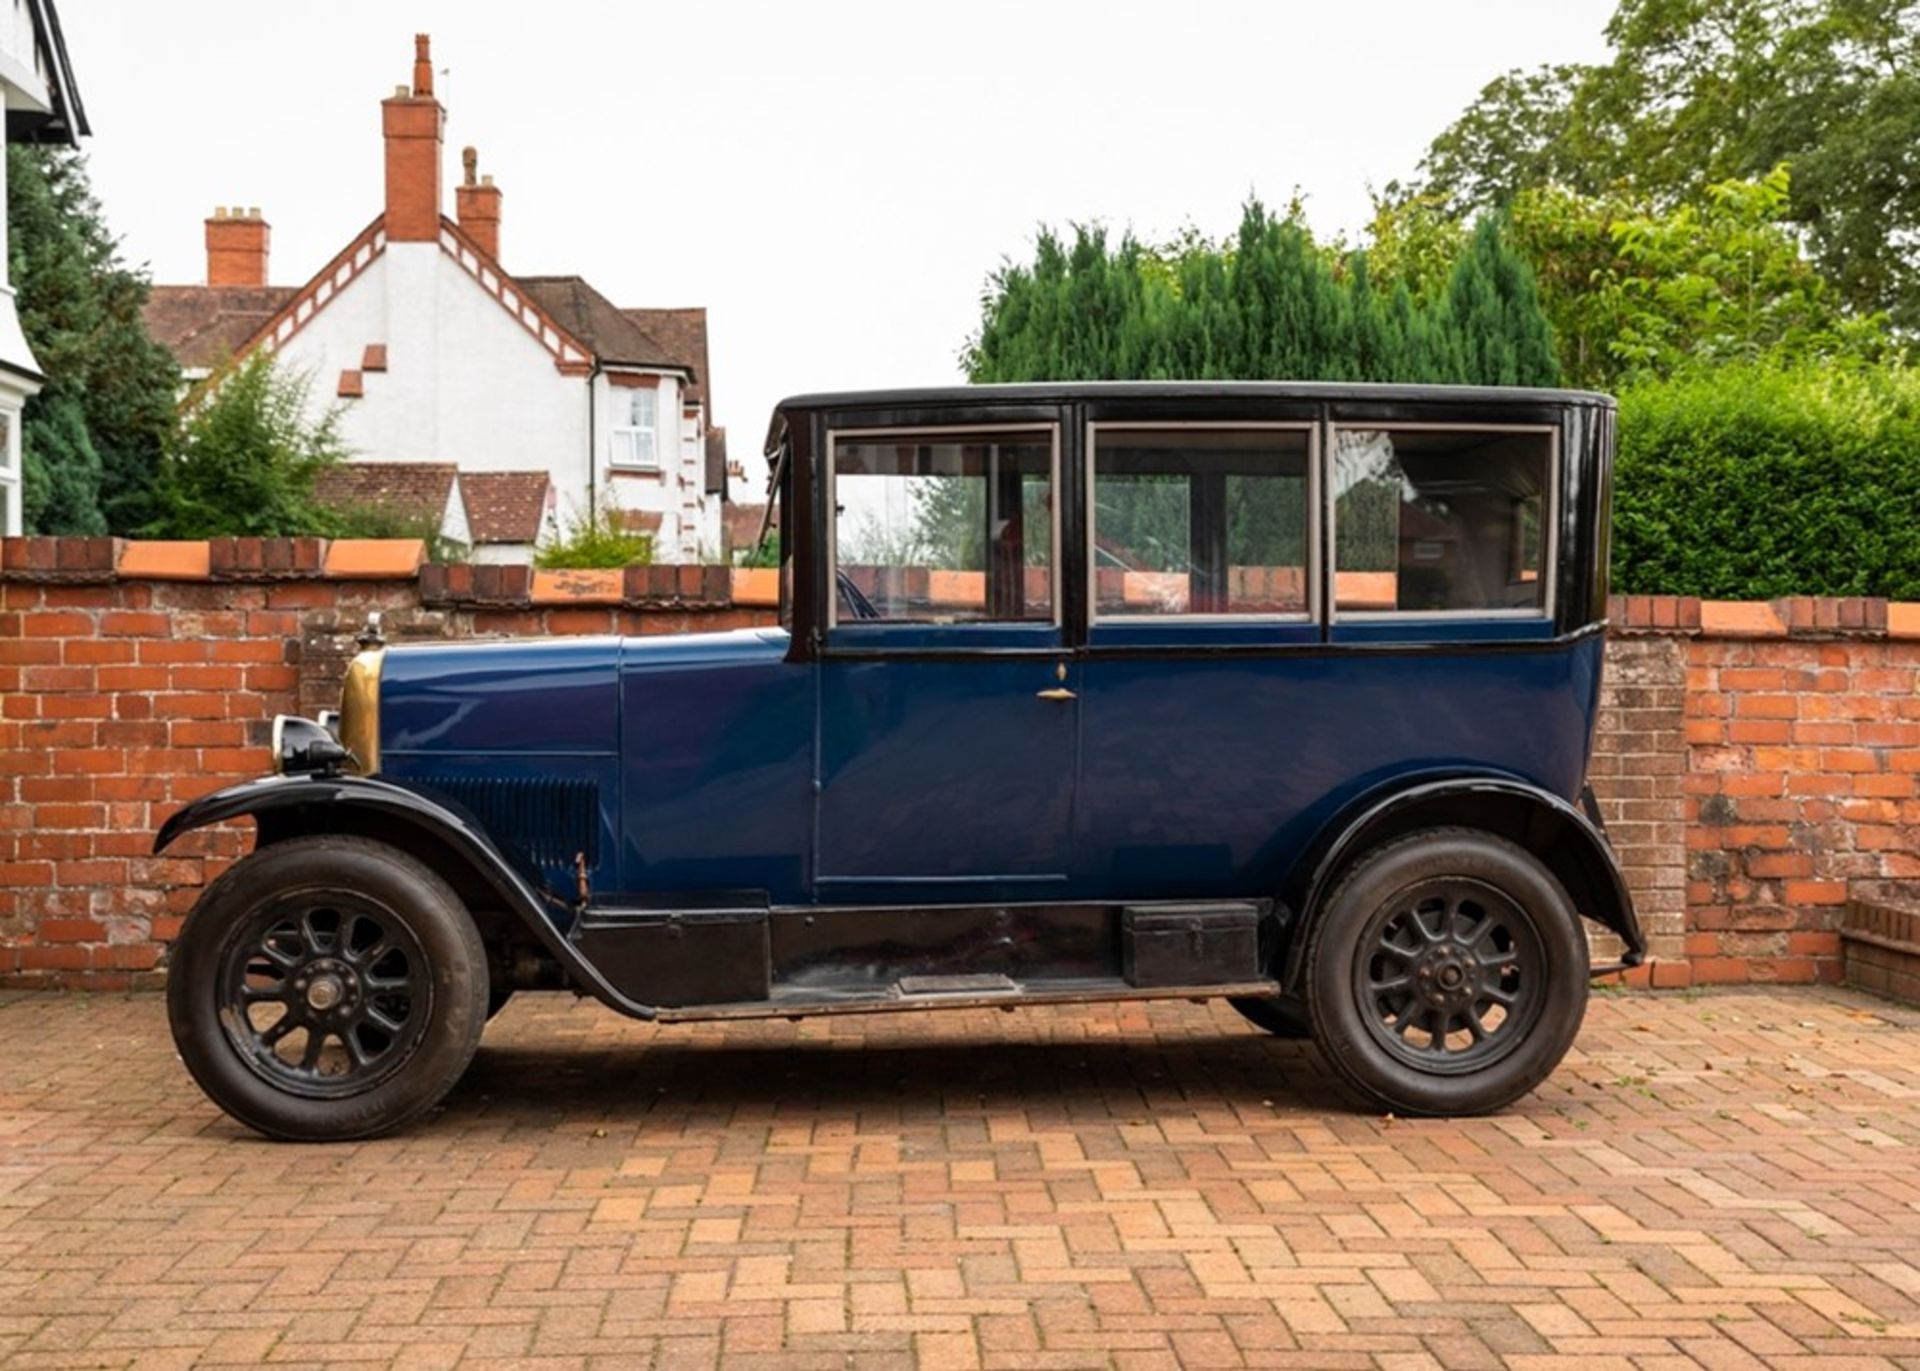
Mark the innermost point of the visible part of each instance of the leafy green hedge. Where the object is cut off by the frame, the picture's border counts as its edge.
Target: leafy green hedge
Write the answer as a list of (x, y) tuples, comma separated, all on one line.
[(1749, 482)]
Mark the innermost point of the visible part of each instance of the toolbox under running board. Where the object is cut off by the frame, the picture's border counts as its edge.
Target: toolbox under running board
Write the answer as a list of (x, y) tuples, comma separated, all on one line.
[(800, 1002)]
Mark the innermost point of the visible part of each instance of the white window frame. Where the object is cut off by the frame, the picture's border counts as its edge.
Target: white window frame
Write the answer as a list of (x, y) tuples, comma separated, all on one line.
[(11, 514), (1056, 564), (1549, 515), (632, 432), (1314, 502)]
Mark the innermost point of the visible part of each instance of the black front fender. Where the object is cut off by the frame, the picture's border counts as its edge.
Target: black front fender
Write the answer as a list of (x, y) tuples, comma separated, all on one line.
[(1570, 843), (285, 805)]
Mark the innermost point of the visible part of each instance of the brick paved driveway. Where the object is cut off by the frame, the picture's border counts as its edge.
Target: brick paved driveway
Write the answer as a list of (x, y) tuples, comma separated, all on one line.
[(1729, 1180)]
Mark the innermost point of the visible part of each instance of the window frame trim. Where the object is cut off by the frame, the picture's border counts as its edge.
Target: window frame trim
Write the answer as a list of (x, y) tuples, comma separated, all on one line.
[(613, 462), (1549, 517), (1056, 565), (13, 471), (1311, 427)]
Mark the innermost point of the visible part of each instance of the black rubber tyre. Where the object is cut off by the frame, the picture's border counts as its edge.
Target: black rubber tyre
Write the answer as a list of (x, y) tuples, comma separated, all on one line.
[(327, 988), (1284, 1018), (1447, 975)]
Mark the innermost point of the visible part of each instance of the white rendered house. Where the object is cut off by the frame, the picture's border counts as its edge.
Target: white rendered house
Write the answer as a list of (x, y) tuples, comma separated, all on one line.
[(43, 106), (435, 354)]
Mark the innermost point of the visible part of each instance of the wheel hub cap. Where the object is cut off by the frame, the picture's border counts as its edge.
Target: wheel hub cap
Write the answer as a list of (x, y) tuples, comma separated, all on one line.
[(324, 992)]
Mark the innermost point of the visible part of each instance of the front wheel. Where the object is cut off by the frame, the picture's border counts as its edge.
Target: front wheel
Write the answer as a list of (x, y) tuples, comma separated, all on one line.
[(1448, 974), (327, 988)]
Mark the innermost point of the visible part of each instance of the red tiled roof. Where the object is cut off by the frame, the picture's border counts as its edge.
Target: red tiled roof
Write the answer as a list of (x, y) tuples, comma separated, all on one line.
[(717, 461), (202, 326), (743, 525), (414, 489), (506, 506), (600, 326), (683, 334)]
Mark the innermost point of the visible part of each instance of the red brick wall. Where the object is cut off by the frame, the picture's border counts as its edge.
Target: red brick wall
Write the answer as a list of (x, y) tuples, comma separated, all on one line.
[(1803, 759), (1756, 764), (122, 699)]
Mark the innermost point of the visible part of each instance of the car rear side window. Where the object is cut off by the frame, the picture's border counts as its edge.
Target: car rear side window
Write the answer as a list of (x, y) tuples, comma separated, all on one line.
[(1442, 520), (1201, 519), (950, 527)]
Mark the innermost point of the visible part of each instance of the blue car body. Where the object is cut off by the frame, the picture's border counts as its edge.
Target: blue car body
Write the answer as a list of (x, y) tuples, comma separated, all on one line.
[(842, 803)]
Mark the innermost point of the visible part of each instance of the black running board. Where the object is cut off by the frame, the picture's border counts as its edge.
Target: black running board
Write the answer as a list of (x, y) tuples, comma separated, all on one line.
[(801, 1002)]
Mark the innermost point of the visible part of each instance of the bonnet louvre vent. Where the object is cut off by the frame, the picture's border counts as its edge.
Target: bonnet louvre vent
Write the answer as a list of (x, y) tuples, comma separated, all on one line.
[(548, 821)]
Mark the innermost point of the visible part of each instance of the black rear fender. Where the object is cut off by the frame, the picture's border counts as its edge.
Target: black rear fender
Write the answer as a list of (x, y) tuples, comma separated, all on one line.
[(1570, 844)]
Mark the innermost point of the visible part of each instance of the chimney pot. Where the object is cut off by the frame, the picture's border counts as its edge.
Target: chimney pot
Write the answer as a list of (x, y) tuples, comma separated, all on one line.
[(422, 65)]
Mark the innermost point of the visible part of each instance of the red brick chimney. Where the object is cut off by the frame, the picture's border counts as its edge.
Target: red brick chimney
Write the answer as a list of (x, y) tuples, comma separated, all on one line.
[(412, 120), (236, 247), (477, 201)]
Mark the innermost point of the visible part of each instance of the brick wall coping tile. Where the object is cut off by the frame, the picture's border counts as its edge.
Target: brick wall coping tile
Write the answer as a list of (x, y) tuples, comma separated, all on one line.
[(166, 561), (581, 587), (404, 559), (375, 559), (1793, 616)]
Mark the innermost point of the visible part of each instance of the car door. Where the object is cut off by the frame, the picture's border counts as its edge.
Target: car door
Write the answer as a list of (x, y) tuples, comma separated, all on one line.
[(1205, 694), (948, 708)]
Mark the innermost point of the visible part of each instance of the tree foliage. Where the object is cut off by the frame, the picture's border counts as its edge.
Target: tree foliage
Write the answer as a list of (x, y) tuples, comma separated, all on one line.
[(1267, 304), (1700, 92), (94, 437), (1632, 288), (246, 458)]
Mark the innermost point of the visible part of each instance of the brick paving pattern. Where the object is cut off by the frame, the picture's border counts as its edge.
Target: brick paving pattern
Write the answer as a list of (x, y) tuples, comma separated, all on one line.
[(1727, 1180)]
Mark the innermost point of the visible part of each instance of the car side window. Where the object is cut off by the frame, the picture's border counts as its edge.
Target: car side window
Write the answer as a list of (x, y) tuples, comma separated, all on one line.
[(1201, 520), (1442, 520), (949, 527)]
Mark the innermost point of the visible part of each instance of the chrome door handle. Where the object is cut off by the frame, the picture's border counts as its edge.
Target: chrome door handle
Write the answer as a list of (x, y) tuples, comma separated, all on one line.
[(1057, 693)]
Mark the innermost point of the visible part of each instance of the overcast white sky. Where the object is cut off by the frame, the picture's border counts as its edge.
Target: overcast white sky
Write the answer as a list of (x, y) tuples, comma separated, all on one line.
[(834, 181)]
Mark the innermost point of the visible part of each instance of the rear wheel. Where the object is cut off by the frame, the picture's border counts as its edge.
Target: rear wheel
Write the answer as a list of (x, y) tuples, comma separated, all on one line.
[(1448, 974), (327, 988)]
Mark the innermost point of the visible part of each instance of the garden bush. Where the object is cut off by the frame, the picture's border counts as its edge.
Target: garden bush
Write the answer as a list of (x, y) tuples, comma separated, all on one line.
[(595, 539), (1751, 482)]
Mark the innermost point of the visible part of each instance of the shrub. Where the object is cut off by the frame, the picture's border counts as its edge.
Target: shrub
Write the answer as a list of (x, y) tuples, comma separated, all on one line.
[(246, 459), (384, 521), (596, 539), (1752, 482)]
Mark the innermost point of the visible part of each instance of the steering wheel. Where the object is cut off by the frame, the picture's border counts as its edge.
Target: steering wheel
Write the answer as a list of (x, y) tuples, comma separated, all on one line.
[(853, 603)]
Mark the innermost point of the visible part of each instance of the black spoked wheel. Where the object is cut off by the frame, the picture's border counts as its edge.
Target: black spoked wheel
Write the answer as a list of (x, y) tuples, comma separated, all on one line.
[(327, 988), (1453, 972), (1447, 974), (326, 994)]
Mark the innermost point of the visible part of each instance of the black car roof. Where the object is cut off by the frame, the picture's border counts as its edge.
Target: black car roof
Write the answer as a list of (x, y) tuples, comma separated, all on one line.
[(1045, 391)]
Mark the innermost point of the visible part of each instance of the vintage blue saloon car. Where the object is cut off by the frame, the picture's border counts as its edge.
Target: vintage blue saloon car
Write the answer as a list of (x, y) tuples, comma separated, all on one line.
[(1276, 692)]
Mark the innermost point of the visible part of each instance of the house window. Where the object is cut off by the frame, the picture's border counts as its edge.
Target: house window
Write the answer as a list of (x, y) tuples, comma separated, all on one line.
[(1442, 520), (635, 427), (10, 517)]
